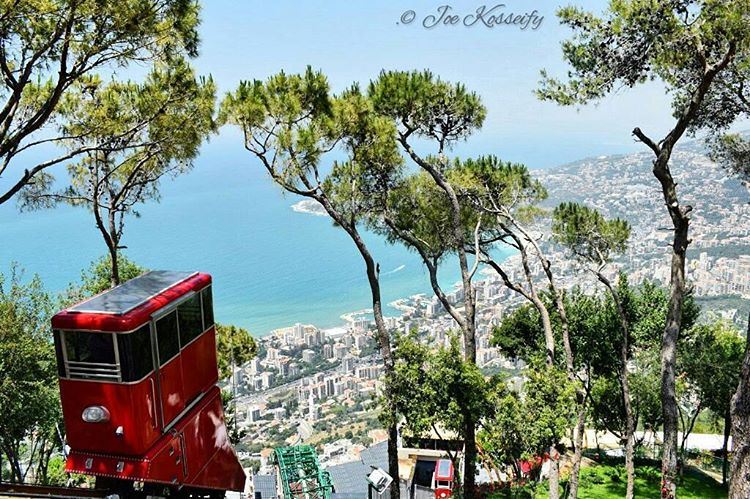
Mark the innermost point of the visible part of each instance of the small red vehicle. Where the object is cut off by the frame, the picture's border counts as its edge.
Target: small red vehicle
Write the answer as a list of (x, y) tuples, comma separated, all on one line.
[(137, 371), (442, 479)]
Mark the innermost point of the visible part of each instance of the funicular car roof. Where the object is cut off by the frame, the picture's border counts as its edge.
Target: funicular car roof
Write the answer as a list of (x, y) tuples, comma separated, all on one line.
[(129, 305)]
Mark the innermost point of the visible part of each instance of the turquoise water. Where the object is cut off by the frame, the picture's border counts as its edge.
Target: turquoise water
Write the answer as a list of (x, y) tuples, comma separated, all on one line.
[(272, 266)]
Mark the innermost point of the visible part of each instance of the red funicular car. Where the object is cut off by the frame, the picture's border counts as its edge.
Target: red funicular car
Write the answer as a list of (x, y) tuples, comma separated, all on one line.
[(137, 369), (442, 479)]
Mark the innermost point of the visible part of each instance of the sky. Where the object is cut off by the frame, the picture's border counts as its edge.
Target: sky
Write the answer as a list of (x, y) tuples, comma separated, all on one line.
[(353, 41), (272, 266)]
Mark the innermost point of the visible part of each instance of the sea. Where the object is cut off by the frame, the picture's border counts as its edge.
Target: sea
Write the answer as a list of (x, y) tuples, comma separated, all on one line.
[(272, 266)]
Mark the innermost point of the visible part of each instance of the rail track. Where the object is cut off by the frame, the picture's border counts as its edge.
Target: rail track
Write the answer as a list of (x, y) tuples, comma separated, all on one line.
[(45, 491)]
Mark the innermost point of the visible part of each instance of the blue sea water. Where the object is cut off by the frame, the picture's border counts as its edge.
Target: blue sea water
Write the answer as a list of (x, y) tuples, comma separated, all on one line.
[(271, 266)]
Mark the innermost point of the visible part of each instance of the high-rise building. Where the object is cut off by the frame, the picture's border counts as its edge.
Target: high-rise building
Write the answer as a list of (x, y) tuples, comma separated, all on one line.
[(348, 363), (339, 351), (255, 366), (361, 341), (272, 353), (298, 331), (327, 351), (266, 380), (313, 411), (253, 414)]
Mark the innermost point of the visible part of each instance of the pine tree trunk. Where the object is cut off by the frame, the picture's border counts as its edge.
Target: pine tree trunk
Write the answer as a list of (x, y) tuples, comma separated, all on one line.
[(469, 330), (382, 336), (470, 459), (384, 343), (739, 475), (549, 335), (554, 473), (578, 435), (625, 386), (629, 447), (469, 322), (669, 362), (725, 447), (115, 279), (680, 221), (393, 460), (113, 247)]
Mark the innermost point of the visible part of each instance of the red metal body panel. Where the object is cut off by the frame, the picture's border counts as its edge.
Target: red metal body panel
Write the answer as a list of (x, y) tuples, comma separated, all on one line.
[(196, 453), (133, 319), (172, 396), (131, 406), (199, 371)]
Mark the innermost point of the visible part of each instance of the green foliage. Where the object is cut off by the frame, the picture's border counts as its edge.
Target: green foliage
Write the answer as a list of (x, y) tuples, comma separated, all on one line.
[(423, 104), (56, 475), (253, 464), (639, 40), (438, 389), (500, 187), (503, 435), (421, 210), (234, 346), (235, 433), (732, 151), (596, 337), (590, 236), (549, 407), (711, 361), (418, 212), (28, 375), (461, 389), (526, 425), (606, 481), (158, 127), (51, 47), (290, 122), (645, 388), (435, 387)]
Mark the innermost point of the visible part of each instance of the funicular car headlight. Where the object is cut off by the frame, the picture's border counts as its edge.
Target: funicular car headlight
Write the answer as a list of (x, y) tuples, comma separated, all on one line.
[(95, 414)]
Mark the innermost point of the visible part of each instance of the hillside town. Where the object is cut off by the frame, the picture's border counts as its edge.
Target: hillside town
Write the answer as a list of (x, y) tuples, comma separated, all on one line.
[(320, 386)]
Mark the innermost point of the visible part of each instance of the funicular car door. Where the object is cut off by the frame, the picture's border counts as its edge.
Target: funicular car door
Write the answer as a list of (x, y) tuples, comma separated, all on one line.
[(167, 355)]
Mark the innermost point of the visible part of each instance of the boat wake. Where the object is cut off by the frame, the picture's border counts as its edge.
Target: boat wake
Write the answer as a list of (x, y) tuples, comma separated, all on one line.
[(397, 269)]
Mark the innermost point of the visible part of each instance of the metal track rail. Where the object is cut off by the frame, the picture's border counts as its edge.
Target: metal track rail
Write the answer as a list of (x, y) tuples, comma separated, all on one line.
[(44, 491)]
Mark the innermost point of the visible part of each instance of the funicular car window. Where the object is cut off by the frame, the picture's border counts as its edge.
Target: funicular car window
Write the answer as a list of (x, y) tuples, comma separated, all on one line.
[(189, 316), (90, 355), (167, 337), (208, 308), (135, 354), (59, 353)]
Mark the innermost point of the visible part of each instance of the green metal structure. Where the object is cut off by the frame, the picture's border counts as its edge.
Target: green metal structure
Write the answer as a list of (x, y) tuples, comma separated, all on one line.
[(299, 475)]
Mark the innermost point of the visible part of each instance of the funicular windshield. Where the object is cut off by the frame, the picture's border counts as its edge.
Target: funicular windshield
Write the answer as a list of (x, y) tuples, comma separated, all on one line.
[(104, 356)]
